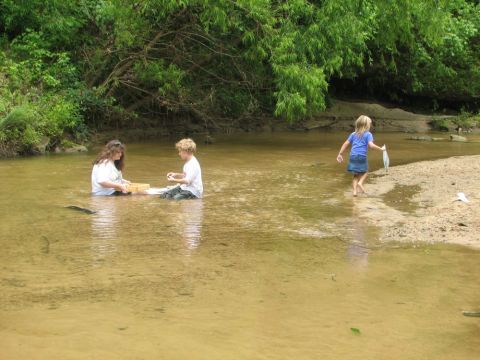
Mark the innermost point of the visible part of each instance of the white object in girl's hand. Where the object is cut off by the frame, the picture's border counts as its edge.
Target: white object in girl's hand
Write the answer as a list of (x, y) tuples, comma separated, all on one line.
[(462, 197), (386, 159)]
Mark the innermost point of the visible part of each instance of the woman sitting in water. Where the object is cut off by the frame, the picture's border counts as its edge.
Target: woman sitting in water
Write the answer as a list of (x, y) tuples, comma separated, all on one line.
[(107, 170)]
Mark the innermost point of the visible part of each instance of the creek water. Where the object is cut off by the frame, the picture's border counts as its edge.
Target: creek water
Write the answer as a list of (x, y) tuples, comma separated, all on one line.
[(273, 263)]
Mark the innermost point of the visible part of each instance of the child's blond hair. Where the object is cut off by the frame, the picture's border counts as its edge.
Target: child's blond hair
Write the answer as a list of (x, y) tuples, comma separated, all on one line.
[(187, 145), (362, 124)]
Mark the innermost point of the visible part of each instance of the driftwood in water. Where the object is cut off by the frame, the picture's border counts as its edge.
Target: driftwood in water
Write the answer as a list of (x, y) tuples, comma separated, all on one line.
[(78, 208)]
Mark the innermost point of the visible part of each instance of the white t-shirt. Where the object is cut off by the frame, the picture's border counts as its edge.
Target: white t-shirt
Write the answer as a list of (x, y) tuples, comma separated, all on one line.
[(193, 174), (105, 171)]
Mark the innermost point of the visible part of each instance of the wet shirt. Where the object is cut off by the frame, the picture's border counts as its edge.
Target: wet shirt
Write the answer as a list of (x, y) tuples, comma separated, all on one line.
[(193, 174), (105, 171), (360, 143)]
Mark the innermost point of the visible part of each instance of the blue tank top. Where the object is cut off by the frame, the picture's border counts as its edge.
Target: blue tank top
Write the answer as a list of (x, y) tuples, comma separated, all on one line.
[(360, 144)]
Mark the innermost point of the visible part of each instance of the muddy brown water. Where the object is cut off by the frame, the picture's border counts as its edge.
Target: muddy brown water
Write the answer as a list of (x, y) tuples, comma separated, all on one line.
[(272, 264)]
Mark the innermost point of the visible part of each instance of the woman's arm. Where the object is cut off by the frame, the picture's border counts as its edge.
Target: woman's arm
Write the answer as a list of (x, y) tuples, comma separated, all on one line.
[(342, 150), (372, 145), (112, 185)]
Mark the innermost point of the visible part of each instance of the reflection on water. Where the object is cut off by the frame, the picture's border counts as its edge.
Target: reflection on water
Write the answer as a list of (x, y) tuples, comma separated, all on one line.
[(357, 250), (104, 227), (192, 213), (265, 266)]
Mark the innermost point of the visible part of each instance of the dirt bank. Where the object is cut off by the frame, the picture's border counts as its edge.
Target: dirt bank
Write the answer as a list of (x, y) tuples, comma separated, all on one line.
[(341, 115), (417, 202)]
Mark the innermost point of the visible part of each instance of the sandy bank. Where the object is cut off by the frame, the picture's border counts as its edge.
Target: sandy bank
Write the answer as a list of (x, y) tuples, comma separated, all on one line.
[(417, 202)]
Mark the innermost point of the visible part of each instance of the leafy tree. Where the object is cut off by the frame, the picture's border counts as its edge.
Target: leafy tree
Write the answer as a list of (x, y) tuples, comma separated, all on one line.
[(101, 62)]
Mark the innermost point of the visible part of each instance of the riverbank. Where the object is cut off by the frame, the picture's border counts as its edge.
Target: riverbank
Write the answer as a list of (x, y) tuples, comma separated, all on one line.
[(339, 117), (418, 202), (387, 117)]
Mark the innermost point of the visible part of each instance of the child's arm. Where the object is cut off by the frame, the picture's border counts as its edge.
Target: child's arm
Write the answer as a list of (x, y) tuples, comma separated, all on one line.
[(342, 150), (187, 177), (179, 181), (179, 178), (372, 145), (175, 175)]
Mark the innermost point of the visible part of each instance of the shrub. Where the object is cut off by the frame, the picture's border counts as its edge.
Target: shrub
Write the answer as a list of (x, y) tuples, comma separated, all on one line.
[(26, 126), (465, 121), (19, 131)]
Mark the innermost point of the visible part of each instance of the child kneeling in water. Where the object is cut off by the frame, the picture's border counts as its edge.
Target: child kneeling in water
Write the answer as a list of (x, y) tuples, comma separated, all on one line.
[(361, 140), (191, 186)]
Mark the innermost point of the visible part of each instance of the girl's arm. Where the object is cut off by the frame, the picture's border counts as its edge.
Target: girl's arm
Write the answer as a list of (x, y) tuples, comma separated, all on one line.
[(372, 145), (116, 186), (342, 150)]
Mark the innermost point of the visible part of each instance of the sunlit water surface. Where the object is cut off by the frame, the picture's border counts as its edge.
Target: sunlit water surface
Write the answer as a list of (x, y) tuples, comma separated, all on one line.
[(273, 263)]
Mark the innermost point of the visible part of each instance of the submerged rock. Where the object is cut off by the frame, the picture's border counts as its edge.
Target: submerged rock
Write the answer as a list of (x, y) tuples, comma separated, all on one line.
[(76, 149), (72, 149), (426, 138), (458, 138), (41, 147)]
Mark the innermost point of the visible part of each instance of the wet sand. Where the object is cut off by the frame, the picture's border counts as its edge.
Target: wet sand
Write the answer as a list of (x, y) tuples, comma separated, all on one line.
[(418, 202)]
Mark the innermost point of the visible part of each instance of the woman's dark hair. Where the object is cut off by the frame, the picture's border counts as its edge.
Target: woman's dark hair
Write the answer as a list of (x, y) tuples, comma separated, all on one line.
[(109, 151)]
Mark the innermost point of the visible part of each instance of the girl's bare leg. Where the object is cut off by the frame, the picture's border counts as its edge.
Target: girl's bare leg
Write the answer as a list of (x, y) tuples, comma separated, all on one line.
[(361, 181), (354, 184)]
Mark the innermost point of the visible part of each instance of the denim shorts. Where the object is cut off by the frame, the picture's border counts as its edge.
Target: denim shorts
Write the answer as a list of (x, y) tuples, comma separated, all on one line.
[(358, 164)]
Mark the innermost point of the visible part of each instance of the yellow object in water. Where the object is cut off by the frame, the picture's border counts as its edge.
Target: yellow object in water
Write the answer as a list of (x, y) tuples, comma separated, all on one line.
[(137, 187)]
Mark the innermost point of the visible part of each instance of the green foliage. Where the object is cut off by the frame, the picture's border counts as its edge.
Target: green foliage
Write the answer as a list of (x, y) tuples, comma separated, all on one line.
[(32, 63), (25, 126), (19, 129), (441, 124), (60, 115), (166, 79), (37, 99), (464, 121), (59, 20), (19, 119), (430, 50), (101, 63), (467, 120)]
